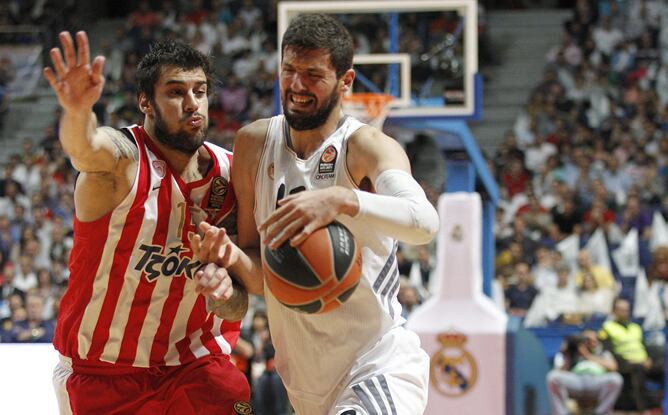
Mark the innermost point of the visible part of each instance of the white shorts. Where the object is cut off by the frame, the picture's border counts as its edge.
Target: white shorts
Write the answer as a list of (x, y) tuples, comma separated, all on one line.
[(61, 373), (390, 379)]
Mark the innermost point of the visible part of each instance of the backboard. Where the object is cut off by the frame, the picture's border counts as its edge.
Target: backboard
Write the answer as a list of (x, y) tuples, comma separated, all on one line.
[(422, 52)]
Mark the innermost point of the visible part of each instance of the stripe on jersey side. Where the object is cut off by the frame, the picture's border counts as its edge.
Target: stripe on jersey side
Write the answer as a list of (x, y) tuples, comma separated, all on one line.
[(390, 283), (388, 395), (123, 228), (367, 400), (393, 294), (373, 390), (73, 305), (376, 396), (391, 259)]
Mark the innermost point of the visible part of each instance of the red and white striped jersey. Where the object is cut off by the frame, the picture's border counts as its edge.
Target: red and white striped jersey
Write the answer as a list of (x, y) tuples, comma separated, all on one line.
[(131, 299)]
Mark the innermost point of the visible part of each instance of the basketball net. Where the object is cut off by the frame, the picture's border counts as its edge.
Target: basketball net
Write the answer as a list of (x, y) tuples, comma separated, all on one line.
[(369, 107)]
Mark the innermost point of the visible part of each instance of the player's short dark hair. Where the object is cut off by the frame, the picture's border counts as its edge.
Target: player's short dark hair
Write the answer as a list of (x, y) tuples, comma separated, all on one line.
[(321, 31), (165, 54)]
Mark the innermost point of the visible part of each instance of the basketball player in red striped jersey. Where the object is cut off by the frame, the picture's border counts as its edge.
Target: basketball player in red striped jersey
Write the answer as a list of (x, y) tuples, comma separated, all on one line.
[(142, 328), (299, 171)]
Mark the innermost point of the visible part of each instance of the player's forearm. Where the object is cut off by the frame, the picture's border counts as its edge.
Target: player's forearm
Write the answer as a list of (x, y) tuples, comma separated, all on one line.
[(399, 208), (233, 309), (248, 270), (77, 130)]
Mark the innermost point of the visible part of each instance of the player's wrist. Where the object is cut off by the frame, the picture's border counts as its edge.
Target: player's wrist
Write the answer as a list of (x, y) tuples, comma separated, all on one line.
[(349, 204), (232, 309)]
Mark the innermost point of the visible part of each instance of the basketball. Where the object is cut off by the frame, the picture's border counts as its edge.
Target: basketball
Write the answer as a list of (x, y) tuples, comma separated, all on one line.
[(317, 276)]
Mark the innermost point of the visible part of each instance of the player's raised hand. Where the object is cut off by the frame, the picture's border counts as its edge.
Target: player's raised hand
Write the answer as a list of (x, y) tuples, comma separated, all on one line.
[(77, 83)]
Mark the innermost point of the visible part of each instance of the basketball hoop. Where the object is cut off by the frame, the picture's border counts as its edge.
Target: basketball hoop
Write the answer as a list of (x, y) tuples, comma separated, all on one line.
[(369, 107)]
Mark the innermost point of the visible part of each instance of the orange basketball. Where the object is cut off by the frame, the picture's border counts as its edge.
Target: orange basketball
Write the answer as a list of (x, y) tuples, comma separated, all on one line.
[(317, 276)]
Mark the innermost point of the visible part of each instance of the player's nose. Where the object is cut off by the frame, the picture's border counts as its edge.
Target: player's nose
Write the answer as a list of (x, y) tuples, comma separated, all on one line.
[(190, 103)]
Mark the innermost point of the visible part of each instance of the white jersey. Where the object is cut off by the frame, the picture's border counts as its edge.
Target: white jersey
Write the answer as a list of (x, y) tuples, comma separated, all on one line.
[(314, 352)]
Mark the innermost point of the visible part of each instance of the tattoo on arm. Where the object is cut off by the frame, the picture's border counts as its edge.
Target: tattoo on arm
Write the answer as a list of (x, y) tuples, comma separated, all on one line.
[(123, 148), (233, 309)]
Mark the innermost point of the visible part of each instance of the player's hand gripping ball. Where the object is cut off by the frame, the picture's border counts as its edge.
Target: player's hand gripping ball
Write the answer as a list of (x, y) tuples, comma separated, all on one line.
[(317, 276)]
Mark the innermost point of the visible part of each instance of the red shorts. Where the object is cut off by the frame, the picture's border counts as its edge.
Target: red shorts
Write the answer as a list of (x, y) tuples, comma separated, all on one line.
[(210, 385)]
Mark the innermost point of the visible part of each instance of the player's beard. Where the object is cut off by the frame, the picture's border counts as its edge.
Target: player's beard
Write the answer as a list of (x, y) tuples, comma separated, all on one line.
[(182, 141), (304, 122)]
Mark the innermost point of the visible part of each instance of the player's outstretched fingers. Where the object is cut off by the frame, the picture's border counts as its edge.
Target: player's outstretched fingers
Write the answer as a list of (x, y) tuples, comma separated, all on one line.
[(98, 69), (58, 63), (223, 290), (229, 255), (203, 279), (211, 278), (208, 245), (282, 235), (82, 48), (301, 236), (198, 281), (51, 78), (214, 245), (68, 49)]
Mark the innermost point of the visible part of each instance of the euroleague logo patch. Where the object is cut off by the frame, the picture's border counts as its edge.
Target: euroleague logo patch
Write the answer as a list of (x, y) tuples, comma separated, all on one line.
[(218, 192), (327, 160), (243, 408)]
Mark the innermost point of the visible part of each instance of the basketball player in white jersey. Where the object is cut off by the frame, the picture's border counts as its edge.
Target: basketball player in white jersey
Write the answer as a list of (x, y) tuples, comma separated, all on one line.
[(297, 172), (136, 332)]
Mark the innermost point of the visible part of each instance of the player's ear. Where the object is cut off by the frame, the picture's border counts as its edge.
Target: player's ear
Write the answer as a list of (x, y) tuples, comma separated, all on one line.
[(144, 104), (347, 80)]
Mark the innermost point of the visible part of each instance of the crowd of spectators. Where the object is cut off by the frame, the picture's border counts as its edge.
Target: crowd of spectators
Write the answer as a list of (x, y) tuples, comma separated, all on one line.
[(580, 231), (584, 167), (241, 37), (36, 213)]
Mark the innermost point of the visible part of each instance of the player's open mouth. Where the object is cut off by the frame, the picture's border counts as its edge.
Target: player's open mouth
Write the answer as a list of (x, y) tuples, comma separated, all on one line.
[(301, 100)]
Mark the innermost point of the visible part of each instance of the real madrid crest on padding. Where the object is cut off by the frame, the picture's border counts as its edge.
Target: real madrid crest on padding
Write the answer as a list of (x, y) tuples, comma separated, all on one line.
[(243, 408), (454, 371)]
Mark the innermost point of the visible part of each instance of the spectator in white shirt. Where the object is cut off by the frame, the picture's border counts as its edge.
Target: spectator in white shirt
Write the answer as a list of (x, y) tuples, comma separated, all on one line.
[(593, 300), (544, 270), (25, 278), (607, 37), (554, 302)]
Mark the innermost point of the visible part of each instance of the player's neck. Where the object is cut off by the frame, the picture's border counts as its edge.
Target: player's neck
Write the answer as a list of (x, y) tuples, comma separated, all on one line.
[(306, 142)]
